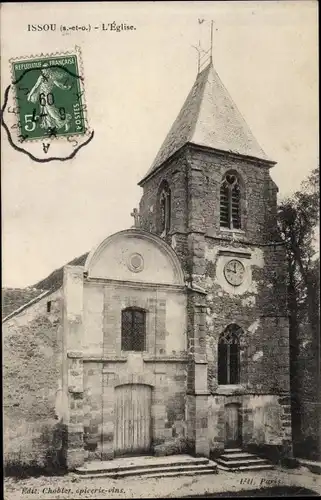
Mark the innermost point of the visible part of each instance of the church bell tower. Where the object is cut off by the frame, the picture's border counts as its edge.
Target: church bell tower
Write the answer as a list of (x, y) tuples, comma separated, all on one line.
[(210, 196)]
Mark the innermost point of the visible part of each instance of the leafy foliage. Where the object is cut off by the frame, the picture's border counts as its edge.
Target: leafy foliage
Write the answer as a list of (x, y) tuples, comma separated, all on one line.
[(298, 220)]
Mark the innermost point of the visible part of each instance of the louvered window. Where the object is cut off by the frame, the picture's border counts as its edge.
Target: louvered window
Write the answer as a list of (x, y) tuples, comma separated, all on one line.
[(230, 202), (228, 366), (133, 329)]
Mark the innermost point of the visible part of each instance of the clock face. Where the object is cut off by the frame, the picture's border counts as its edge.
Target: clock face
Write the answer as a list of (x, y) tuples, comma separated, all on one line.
[(234, 272)]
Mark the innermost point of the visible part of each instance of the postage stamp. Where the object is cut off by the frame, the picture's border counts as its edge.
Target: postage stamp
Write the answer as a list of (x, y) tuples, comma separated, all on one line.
[(49, 96), (45, 104)]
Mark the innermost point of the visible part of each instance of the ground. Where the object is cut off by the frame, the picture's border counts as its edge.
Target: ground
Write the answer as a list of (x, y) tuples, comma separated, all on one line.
[(73, 487)]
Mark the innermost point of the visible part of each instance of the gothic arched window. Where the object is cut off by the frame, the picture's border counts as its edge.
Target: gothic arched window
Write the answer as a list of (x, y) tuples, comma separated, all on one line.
[(230, 202), (133, 329), (164, 208), (228, 364)]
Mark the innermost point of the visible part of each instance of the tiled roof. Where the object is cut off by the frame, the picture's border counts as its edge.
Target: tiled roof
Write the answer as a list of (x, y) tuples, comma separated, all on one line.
[(55, 279), (209, 118), (15, 298)]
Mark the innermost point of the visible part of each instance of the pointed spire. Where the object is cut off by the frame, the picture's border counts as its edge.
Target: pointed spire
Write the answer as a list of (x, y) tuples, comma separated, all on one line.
[(209, 118)]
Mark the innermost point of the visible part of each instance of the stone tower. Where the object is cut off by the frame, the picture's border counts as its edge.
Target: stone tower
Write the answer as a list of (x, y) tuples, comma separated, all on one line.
[(209, 194)]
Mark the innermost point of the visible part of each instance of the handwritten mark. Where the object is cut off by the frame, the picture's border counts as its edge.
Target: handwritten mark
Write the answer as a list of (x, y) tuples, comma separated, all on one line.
[(45, 147)]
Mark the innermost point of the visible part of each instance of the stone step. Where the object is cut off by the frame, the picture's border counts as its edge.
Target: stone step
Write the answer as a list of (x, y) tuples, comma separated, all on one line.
[(312, 465), (247, 462), (236, 456), (168, 471), (197, 472), (239, 460), (127, 465), (246, 468), (233, 450), (254, 467)]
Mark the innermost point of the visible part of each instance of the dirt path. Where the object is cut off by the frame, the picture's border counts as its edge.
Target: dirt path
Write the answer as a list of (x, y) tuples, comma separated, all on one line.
[(73, 487)]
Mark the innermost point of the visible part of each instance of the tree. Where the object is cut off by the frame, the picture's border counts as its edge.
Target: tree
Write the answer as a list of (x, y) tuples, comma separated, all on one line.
[(298, 218)]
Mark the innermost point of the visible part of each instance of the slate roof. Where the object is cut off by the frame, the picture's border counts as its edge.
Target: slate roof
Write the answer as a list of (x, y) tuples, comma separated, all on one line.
[(209, 118)]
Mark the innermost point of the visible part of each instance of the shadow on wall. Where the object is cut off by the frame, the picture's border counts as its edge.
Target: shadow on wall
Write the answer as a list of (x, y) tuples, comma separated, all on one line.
[(49, 459), (307, 447)]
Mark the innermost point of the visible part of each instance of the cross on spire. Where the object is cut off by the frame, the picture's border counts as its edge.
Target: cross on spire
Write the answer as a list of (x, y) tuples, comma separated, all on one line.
[(136, 216)]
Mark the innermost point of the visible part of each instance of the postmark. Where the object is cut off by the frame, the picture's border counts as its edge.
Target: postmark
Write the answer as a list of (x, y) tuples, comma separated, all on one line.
[(45, 112)]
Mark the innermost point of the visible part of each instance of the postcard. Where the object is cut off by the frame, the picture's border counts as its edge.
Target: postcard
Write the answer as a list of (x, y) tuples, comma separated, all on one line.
[(160, 255)]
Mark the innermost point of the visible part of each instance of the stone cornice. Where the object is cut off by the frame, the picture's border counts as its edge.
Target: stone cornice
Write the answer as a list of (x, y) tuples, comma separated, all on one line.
[(229, 154), (245, 242), (135, 284), (251, 392), (237, 251), (101, 358)]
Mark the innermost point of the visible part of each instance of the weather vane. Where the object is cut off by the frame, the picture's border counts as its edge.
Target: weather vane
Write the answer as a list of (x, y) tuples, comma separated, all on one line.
[(204, 56)]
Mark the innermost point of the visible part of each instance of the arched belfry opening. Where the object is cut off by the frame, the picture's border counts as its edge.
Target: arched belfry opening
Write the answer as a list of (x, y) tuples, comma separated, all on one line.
[(164, 208), (230, 201)]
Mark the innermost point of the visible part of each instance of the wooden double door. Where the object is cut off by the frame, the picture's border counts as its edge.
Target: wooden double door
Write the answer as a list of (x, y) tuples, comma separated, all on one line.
[(132, 419), (233, 426)]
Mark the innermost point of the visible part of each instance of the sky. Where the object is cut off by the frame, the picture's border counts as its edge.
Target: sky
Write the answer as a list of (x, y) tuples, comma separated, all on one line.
[(135, 84)]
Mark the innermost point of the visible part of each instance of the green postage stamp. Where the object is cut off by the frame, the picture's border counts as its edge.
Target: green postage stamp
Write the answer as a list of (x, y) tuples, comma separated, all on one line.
[(49, 95)]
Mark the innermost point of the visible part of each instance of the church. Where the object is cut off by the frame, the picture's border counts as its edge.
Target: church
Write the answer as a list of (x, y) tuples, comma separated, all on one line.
[(171, 336)]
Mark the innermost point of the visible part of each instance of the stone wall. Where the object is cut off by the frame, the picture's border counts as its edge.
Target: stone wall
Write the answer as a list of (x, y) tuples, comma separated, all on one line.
[(264, 342), (263, 420), (175, 174), (165, 322), (32, 360), (168, 382), (258, 193)]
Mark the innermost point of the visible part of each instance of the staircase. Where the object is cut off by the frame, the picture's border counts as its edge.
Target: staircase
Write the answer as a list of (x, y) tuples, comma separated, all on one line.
[(238, 460), (148, 466)]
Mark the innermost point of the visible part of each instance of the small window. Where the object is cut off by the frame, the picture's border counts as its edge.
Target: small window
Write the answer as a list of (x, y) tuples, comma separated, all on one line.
[(165, 208), (48, 306), (229, 356), (230, 202), (133, 329)]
